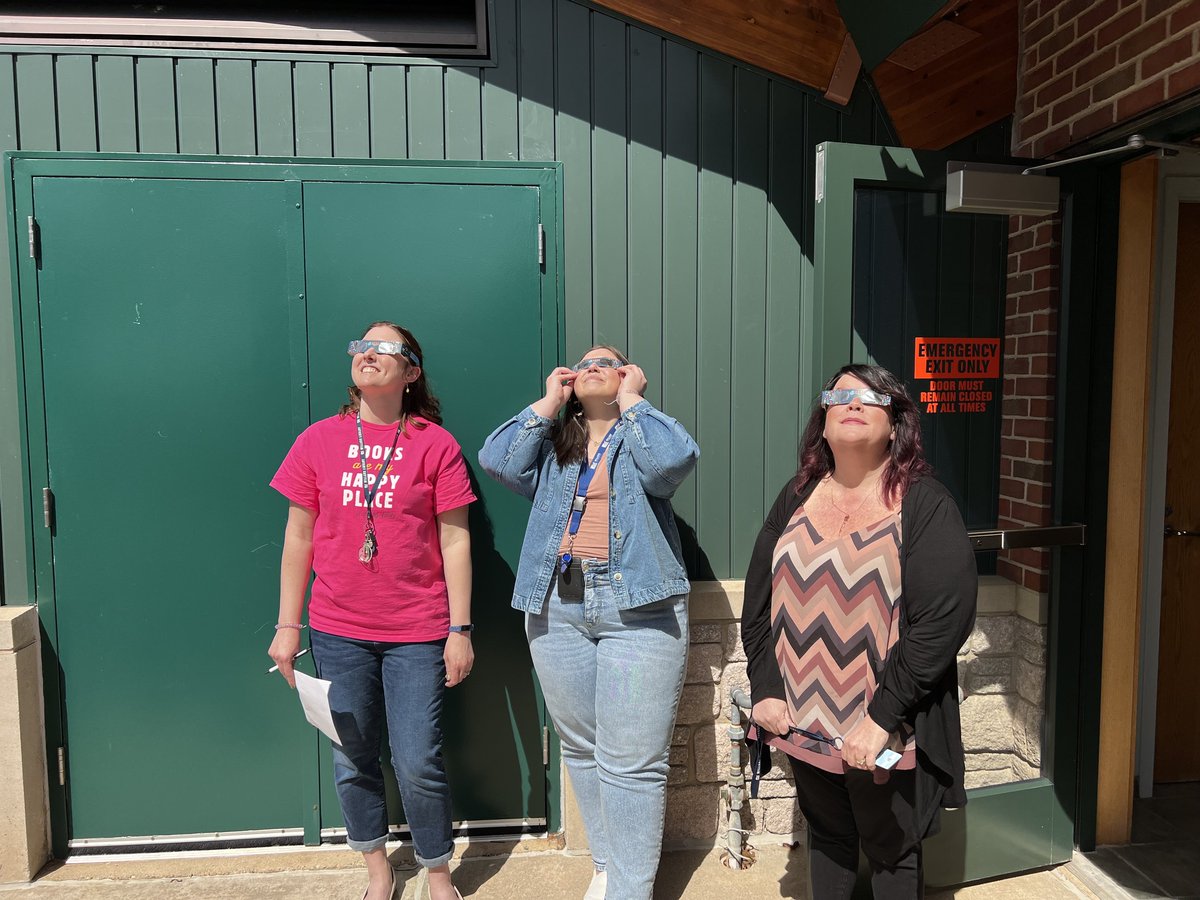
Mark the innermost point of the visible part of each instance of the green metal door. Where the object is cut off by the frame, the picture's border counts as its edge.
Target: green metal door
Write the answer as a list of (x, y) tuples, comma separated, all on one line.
[(891, 268), (182, 321), (167, 336), (458, 264)]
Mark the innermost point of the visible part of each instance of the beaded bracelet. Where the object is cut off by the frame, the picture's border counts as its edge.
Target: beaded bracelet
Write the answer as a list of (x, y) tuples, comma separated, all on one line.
[(295, 625)]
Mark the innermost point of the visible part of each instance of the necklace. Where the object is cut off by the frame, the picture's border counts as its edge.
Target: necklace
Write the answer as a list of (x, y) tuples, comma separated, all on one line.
[(370, 543), (847, 514)]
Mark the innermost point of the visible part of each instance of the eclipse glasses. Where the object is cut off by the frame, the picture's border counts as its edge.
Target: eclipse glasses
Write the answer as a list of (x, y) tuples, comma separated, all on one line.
[(865, 396), (388, 348), (600, 362)]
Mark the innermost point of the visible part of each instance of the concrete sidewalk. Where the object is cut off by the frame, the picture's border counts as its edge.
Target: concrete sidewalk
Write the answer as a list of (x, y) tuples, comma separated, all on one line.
[(544, 875)]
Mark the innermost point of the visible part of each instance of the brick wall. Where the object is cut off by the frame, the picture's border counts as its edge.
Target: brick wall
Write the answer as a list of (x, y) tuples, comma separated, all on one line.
[(1090, 64), (1027, 428)]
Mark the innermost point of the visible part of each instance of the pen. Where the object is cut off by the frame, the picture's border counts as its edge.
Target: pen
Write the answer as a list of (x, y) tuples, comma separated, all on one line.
[(294, 658)]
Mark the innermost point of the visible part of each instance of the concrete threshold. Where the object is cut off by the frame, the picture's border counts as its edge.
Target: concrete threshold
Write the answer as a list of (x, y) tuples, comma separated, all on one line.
[(483, 871)]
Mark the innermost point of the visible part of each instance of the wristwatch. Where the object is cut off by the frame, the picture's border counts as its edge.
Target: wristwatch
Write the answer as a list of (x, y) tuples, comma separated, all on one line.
[(462, 627)]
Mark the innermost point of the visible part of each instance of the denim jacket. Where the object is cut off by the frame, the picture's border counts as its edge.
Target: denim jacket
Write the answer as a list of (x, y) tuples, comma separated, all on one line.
[(649, 456)]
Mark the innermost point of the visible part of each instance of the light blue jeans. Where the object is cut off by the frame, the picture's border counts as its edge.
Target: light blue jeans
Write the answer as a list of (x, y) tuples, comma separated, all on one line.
[(612, 680)]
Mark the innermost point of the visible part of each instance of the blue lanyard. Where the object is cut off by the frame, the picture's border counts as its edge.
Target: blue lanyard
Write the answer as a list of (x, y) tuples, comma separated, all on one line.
[(579, 502), (370, 492)]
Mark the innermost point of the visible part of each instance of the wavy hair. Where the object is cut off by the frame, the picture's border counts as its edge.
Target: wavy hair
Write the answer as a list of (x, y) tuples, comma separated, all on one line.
[(906, 456), (418, 400), (568, 433)]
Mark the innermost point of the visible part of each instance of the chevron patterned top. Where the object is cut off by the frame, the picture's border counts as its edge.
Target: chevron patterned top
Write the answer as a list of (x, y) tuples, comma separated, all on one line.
[(833, 618)]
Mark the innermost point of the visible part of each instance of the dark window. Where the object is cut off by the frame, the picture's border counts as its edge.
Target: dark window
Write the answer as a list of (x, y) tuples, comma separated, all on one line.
[(429, 28)]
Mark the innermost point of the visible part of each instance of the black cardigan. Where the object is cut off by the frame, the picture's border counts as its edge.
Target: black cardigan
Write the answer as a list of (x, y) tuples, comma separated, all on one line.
[(919, 681)]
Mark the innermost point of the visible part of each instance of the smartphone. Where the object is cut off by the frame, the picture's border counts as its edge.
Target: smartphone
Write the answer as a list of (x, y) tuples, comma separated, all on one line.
[(887, 758)]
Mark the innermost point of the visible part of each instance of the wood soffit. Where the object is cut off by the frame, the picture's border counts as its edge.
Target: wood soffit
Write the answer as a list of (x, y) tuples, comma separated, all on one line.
[(955, 76)]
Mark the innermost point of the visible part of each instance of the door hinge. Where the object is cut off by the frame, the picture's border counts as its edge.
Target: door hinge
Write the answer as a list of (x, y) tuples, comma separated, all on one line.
[(48, 507), (541, 244), (545, 745), (35, 240), (62, 765)]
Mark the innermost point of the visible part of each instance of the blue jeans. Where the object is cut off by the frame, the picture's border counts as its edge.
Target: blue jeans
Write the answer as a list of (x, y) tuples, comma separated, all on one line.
[(612, 679), (401, 685)]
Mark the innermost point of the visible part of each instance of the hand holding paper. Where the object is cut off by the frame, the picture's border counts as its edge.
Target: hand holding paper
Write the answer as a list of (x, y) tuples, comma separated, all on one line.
[(314, 698)]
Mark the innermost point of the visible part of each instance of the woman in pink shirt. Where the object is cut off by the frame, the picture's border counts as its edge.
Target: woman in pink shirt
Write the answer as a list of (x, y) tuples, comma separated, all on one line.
[(378, 512)]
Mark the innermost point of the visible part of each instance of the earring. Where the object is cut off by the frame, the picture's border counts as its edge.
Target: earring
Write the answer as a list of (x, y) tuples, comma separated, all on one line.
[(407, 389)]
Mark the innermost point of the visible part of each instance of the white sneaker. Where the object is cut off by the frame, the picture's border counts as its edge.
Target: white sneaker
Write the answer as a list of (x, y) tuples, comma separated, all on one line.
[(598, 887)]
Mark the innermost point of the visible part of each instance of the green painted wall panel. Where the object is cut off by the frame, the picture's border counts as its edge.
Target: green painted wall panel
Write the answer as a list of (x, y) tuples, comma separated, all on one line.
[(426, 113), (36, 120), (235, 106), (75, 85), (748, 413), (573, 130), (610, 311), (686, 211), (313, 109), (196, 94), (714, 325), (464, 136), (645, 228), (17, 587), (389, 112), (116, 109), (157, 116), (681, 122), (351, 116), (274, 118)]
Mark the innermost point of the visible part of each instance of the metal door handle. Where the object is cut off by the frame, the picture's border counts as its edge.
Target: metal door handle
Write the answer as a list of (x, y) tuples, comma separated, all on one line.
[(1168, 531)]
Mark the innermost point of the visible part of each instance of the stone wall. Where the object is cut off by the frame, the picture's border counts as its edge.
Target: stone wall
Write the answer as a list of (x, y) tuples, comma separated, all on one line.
[(1002, 670)]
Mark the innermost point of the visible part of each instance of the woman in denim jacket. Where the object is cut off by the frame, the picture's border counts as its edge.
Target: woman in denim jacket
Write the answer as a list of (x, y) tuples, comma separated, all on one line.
[(603, 587)]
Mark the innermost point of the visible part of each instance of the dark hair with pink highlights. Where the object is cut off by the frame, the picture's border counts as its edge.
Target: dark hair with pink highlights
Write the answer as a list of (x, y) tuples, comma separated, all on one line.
[(906, 461)]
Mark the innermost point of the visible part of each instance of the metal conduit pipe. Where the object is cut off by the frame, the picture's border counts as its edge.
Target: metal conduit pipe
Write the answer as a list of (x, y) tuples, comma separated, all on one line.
[(735, 790)]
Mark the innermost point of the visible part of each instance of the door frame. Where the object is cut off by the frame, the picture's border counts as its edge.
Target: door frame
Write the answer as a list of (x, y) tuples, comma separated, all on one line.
[(1036, 817), (1179, 182), (25, 549)]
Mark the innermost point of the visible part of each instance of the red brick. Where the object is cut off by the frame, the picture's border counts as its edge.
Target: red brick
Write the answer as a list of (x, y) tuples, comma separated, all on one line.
[(1016, 406), (1034, 344), (1047, 321), (1055, 90), (1048, 144), (1007, 429), (1045, 278), (1185, 17), (1111, 85), (1072, 56), (1018, 284), (1031, 471), (1004, 506), (1039, 582), (1010, 346), (1006, 465), (1095, 67), (1041, 494), (1016, 365), (1018, 325), (1041, 365), (1040, 450), (1069, 107), (1047, 232), (1141, 100), (1022, 240), (1158, 7), (1092, 123), (1166, 56), (1037, 29), (1032, 386), (1039, 302), (1145, 38), (1124, 24), (1039, 408), (1026, 512), (1013, 489), (1014, 448), (1183, 81), (1033, 428), (1036, 76), (1008, 570), (1039, 258), (1057, 41), (1097, 15)]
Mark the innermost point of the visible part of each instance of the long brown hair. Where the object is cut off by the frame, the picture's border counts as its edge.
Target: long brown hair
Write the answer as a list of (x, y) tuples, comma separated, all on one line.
[(568, 433), (417, 400), (906, 458)]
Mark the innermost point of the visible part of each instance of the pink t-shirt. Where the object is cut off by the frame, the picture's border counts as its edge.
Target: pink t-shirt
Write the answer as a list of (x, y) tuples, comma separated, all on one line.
[(401, 594)]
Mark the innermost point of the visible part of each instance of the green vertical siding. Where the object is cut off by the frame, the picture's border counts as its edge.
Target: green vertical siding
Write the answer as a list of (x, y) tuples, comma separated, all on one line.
[(687, 206)]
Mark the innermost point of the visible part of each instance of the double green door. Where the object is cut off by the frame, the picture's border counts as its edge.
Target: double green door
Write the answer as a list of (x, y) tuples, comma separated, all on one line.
[(181, 322)]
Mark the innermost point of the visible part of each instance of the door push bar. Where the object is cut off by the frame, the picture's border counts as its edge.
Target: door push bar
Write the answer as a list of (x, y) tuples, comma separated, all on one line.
[(1168, 531), (1018, 538)]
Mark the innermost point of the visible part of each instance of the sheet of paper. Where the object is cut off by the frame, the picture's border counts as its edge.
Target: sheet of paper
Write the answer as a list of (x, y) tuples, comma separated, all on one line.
[(314, 697)]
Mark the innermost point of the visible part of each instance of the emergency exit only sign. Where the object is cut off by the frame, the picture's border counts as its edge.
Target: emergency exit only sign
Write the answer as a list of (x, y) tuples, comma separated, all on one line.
[(958, 369)]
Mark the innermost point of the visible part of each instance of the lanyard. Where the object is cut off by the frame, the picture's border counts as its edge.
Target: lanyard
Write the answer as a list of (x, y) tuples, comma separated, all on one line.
[(579, 502), (370, 544)]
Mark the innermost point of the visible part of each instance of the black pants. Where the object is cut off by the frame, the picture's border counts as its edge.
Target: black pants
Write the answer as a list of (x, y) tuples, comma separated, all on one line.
[(850, 810)]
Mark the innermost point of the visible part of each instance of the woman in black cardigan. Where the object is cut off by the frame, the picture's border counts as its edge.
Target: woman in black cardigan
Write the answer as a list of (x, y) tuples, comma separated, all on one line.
[(860, 591)]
